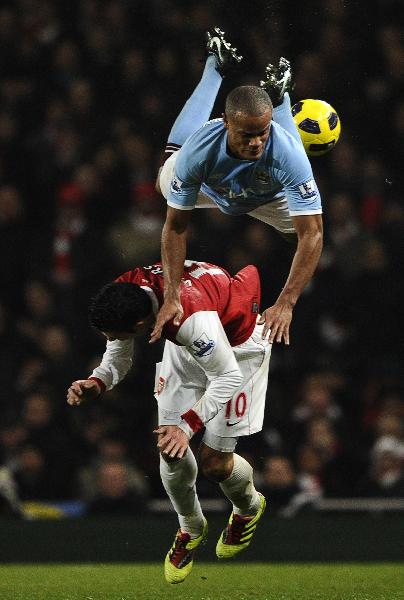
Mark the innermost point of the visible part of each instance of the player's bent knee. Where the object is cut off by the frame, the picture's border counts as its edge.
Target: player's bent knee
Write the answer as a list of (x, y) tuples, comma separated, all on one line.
[(216, 466), (216, 470)]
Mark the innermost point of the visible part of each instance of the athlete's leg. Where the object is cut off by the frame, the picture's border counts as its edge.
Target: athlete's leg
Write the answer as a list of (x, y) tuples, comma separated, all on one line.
[(277, 82), (282, 114), (244, 413), (192, 117), (197, 108), (173, 398), (234, 475), (178, 477), (196, 111)]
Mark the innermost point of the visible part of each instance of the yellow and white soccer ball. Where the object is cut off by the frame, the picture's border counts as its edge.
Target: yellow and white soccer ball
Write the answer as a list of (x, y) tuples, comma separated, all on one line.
[(318, 124)]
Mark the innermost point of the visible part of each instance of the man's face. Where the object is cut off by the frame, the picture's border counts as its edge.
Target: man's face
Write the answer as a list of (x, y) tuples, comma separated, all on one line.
[(247, 135)]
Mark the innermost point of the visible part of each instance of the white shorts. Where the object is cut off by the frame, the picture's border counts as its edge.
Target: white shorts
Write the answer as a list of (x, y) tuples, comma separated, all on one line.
[(180, 383), (275, 213)]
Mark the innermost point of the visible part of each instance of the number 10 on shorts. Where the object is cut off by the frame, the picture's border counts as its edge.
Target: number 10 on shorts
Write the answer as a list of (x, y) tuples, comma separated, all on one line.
[(236, 407)]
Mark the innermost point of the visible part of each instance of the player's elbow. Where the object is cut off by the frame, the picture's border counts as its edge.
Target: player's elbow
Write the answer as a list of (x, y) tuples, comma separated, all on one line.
[(320, 242), (312, 244), (224, 386), (233, 382), (317, 238), (238, 378), (311, 235)]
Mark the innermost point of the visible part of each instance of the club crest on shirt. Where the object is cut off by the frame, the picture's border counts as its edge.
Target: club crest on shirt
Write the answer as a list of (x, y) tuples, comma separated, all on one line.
[(263, 176), (308, 189), (176, 185), (203, 346)]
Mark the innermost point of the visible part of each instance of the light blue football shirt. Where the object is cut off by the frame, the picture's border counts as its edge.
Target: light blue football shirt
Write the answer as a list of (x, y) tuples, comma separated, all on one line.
[(239, 186)]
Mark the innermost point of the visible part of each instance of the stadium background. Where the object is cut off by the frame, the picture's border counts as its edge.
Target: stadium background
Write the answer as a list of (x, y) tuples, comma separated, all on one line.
[(88, 91)]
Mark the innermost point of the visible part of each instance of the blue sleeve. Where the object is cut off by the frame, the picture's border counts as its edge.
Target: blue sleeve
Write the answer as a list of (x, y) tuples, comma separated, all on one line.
[(301, 190), (187, 179)]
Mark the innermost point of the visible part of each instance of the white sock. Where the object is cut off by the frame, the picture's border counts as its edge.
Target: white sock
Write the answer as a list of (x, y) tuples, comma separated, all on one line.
[(178, 479), (239, 488)]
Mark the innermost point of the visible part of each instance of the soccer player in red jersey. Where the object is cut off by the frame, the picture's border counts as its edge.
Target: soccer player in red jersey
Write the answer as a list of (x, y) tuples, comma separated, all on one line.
[(213, 375)]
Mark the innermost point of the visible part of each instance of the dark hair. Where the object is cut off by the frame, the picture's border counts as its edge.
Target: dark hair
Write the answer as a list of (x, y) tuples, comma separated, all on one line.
[(247, 99), (118, 306)]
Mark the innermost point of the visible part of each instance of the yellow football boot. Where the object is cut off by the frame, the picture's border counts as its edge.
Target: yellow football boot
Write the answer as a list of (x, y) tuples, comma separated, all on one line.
[(238, 533), (179, 560)]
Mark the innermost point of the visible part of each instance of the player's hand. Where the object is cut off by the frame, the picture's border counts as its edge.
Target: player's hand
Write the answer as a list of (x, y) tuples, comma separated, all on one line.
[(81, 391), (276, 320), (172, 440), (171, 309)]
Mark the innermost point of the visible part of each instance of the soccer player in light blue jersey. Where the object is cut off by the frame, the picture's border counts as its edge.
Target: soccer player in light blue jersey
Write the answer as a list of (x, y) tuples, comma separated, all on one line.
[(251, 161)]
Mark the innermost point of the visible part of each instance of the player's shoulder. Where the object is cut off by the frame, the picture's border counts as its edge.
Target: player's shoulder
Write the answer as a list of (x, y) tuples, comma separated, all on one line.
[(200, 147), (141, 275), (287, 152), (284, 144), (206, 136)]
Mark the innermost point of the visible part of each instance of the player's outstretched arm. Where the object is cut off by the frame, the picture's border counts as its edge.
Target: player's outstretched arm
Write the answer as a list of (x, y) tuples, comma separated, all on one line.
[(277, 318), (82, 390), (173, 254)]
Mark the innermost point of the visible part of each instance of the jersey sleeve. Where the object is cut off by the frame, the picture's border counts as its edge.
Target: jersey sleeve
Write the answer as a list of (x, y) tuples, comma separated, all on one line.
[(205, 339), (116, 362), (187, 179), (301, 189)]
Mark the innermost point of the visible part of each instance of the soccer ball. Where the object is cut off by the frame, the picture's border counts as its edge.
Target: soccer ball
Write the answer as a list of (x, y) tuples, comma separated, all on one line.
[(318, 125)]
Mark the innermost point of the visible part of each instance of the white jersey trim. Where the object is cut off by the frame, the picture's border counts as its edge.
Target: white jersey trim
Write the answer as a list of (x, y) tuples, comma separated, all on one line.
[(179, 206), (298, 213)]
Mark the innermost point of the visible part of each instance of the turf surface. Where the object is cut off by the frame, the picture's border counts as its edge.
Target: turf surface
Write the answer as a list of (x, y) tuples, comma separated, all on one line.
[(234, 581)]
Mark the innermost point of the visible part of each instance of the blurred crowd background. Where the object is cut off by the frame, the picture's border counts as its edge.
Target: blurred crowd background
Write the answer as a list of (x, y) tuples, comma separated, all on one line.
[(88, 92)]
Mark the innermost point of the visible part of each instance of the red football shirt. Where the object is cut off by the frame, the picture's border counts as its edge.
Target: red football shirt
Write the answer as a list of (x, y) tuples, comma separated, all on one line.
[(207, 287)]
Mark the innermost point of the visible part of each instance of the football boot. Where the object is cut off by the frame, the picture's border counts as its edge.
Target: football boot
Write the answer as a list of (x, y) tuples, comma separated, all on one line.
[(238, 533), (278, 80), (179, 560), (226, 56)]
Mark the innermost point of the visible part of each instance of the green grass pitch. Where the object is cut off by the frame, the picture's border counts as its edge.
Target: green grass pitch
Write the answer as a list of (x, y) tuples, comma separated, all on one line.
[(234, 581)]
